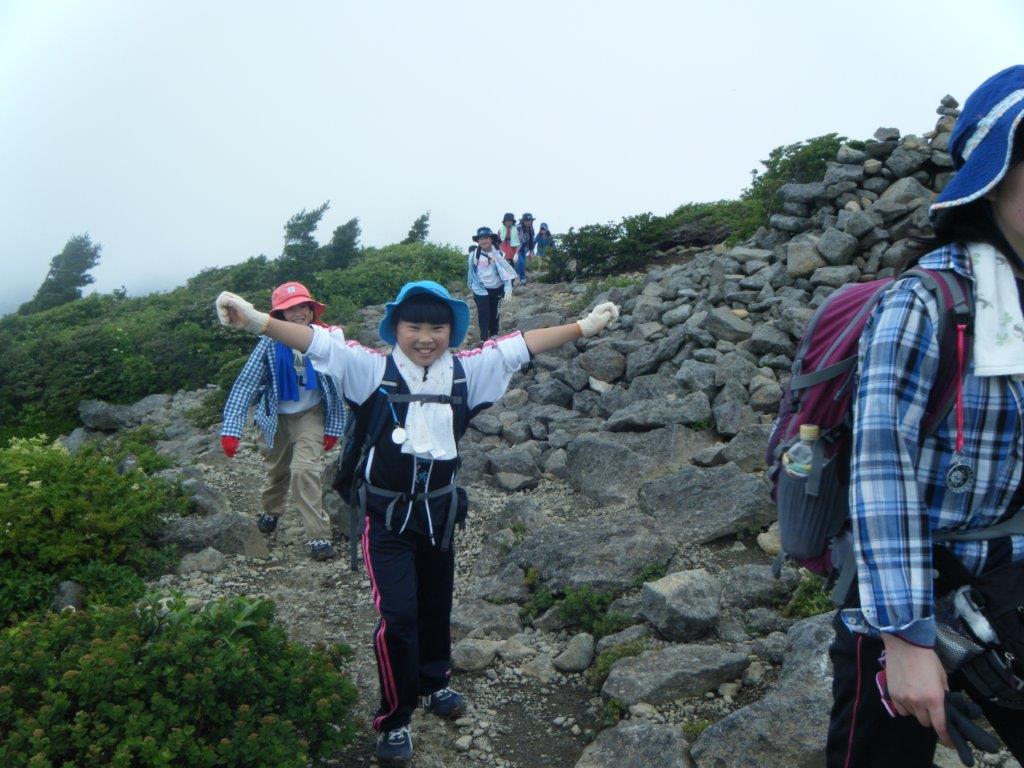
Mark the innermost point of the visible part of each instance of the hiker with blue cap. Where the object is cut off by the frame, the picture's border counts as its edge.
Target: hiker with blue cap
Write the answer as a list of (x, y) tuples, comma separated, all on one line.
[(544, 240), (407, 480), (943, 503), (527, 243), (490, 279)]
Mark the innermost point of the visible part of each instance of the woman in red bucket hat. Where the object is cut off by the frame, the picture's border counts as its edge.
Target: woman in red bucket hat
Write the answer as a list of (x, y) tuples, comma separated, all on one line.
[(300, 415)]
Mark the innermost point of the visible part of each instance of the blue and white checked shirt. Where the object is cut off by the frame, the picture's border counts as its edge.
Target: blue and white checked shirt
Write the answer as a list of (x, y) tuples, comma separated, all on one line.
[(898, 494), (257, 380)]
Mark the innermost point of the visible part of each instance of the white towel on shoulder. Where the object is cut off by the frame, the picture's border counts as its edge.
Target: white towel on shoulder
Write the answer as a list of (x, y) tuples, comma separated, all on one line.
[(429, 427), (998, 321)]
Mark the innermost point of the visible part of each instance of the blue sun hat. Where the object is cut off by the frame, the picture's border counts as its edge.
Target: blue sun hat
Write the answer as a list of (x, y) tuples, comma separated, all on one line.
[(460, 311), (982, 139)]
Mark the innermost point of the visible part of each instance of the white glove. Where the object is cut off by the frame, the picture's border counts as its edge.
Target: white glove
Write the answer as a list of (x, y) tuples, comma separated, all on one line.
[(236, 312), (508, 289), (600, 317)]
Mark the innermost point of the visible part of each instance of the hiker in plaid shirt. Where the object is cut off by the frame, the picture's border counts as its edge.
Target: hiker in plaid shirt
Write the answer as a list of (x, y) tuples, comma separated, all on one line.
[(300, 415), (969, 475)]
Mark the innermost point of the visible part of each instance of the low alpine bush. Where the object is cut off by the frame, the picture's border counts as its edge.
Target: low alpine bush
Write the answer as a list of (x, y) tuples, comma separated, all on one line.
[(68, 516), (158, 685)]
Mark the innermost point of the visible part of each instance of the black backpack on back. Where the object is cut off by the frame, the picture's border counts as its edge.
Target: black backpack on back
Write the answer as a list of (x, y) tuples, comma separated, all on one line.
[(367, 425)]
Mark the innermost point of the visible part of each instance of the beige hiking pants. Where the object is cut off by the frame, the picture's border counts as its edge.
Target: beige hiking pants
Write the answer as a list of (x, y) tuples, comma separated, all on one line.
[(295, 463)]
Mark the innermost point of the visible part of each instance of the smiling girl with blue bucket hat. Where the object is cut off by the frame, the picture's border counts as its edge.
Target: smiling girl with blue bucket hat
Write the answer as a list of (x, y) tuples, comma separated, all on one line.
[(410, 472)]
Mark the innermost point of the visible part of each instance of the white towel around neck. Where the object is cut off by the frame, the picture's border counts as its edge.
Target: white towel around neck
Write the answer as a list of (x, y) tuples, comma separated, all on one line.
[(998, 321), (429, 427)]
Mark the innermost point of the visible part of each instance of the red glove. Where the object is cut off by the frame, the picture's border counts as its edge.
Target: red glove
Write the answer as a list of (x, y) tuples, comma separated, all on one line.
[(229, 444), (329, 442)]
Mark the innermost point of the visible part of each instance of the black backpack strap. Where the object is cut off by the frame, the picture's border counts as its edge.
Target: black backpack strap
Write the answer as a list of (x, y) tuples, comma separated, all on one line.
[(956, 306), (460, 399), (376, 421)]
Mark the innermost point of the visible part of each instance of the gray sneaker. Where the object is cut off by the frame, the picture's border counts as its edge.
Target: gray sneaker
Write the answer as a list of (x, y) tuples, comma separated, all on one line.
[(395, 747), (321, 549)]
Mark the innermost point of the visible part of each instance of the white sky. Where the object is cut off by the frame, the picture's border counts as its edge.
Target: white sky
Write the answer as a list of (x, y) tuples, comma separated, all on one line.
[(182, 135)]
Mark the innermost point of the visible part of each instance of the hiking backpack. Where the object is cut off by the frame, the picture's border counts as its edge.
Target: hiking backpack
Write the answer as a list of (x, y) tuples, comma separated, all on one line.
[(367, 424), (813, 510)]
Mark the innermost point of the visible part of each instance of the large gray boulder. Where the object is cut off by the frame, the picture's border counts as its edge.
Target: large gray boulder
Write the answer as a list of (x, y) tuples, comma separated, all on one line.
[(724, 325), (226, 532), (637, 744), (682, 606), (787, 728), (645, 415), (700, 504), (603, 362), (609, 467), (96, 414), (671, 673), (477, 618), (604, 552)]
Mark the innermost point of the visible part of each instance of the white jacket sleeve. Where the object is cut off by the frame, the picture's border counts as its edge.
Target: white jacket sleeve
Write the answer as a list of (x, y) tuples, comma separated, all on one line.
[(358, 369)]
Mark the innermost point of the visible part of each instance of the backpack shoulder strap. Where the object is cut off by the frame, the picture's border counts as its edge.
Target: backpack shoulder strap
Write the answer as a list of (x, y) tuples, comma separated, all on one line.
[(956, 307), (460, 399), (379, 403)]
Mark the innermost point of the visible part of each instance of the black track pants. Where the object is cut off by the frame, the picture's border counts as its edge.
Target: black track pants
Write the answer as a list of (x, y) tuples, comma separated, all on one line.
[(412, 585)]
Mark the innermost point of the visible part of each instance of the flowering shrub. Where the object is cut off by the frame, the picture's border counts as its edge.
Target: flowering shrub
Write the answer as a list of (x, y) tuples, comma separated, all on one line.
[(161, 686)]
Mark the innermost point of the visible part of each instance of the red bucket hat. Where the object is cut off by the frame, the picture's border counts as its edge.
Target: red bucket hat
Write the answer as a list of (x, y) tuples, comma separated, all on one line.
[(291, 294)]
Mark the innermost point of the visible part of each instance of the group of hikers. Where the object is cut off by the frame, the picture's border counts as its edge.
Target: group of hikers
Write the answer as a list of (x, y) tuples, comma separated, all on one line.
[(497, 260), (892, 671)]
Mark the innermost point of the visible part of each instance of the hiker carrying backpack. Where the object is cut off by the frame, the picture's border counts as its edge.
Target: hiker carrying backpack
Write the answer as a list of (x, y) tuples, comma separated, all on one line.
[(384, 411), (921, 492)]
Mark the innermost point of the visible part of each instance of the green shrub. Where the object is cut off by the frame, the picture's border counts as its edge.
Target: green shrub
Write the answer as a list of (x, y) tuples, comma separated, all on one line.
[(541, 598), (101, 347), (695, 728), (588, 608), (598, 673), (60, 514), (809, 599), (148, 687), (613, 711), (799, 163), (378, 273), (728, 221), (651, 572), (138, 442)]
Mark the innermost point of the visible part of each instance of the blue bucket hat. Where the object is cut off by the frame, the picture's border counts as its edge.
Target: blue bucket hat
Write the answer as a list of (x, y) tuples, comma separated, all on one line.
[(460, 311), (485, 232), (982, 139)]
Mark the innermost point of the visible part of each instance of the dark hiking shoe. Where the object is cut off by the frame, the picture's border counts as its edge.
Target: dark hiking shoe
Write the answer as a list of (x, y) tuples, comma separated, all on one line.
[(321, 549), (266, 523), (445, 703), (395, 747)]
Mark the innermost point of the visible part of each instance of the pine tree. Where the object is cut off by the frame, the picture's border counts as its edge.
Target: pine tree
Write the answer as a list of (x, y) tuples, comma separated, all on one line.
[(419, 230), (343, 248), (69, 273), (300, 259)]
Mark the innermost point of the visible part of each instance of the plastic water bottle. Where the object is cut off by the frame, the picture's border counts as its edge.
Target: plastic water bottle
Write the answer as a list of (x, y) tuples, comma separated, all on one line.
[(797, 460)]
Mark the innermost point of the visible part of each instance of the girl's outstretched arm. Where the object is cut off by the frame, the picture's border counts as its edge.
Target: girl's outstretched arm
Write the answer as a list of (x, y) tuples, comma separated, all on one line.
[(546, 339), (238, 313)]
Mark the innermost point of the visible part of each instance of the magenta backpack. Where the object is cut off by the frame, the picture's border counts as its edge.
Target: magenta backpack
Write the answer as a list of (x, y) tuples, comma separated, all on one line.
[(814, 510)]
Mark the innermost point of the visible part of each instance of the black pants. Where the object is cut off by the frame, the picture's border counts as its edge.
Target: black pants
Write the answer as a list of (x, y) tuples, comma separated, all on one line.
[(487, 312), (861, 734), (412, 584)]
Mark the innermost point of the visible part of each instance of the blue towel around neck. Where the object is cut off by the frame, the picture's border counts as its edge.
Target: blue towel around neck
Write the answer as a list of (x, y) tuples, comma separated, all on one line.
[(287, 380)]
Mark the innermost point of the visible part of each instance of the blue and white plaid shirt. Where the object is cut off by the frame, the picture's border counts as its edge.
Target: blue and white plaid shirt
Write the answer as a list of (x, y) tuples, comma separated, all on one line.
[(898, 494), (257, 380)]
